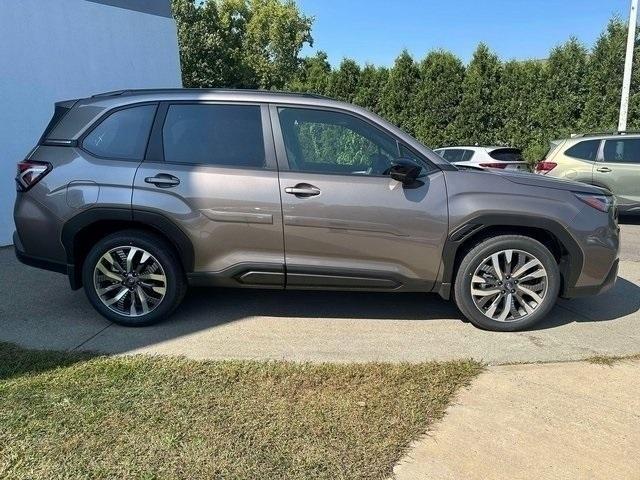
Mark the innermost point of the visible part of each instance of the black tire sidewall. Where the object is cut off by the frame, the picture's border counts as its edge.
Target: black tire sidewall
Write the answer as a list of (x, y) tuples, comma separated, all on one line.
[(176, 284), (462, 287)]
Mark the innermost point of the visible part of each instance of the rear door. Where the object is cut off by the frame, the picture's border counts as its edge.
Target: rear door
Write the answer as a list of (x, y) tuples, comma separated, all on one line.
[(211, 169), (619, 169), (347, 224)]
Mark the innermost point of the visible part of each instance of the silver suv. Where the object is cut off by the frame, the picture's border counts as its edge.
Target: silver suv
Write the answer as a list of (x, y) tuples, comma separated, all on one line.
[(136, 194)]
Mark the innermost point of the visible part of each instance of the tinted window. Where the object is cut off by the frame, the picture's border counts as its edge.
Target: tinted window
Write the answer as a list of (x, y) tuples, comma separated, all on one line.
[(624, 150), (454, 155), (229, 135), (587, 150), (123, 134), (506, 155), (332, 142)]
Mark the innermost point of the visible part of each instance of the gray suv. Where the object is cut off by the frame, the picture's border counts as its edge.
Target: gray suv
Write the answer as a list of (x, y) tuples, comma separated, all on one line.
[(136, 194)]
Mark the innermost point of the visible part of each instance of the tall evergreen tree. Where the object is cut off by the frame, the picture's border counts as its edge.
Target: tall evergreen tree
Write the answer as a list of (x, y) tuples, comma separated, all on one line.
[(343, 83), (566, 88), (438, 96), (370, 87), (479, 119), (313, 75), (522, 102), (399, 93), (604, 79)]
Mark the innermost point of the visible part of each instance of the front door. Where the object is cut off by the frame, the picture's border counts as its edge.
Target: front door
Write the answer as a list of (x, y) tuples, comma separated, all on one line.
[(347, 224), (619, 170)]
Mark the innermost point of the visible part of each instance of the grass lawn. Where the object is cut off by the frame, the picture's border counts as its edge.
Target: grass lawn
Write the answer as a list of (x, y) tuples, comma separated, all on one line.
[(79, 416)]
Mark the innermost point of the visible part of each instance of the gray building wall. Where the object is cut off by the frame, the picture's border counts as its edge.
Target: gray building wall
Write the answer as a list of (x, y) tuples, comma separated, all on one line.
[(53, 50)]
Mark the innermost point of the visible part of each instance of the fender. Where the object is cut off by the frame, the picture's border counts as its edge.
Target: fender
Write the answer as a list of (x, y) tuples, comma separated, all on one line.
[(153, 219), (569, 270)]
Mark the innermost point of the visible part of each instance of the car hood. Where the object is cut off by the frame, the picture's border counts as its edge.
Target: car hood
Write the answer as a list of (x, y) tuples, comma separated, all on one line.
[(536, 180)]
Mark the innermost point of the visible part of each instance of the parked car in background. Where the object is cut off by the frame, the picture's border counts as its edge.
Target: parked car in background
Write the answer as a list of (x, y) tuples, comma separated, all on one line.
[(137, 194), (607, 160), (505, 158)]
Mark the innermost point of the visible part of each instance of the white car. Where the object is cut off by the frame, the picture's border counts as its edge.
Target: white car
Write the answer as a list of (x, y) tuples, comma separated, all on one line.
[(506, 158)]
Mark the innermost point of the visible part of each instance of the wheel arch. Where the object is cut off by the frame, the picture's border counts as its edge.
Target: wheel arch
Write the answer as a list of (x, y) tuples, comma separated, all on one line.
[(549, 232), (81, 232)]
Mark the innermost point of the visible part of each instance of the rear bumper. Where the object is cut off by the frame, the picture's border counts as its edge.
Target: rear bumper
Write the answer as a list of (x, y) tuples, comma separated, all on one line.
[(44, 263)]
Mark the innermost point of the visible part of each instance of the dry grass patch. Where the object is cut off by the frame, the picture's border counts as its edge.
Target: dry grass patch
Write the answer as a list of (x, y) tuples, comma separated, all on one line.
[(79, 416)]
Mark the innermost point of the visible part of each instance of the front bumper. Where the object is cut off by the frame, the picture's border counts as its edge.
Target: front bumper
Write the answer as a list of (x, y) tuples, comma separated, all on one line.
[(609, 283)]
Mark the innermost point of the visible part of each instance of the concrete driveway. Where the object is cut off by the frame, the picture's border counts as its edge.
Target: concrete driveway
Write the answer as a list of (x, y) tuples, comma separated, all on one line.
[(37, 309)]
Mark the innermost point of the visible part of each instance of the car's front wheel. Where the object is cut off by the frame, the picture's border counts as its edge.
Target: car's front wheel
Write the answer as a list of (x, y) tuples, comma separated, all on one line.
[(133, 278), (507, 283)]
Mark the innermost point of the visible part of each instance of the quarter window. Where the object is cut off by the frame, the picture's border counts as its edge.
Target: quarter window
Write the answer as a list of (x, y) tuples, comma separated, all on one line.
[(123, 134), (228, 135), (587, 150), (622, 151), (332, 142)]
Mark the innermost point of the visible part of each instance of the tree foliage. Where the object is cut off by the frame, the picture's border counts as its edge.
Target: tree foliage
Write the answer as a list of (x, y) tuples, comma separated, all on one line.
[(398, 94), (257, 44), (479, 115), (438, 97), (240, 43)]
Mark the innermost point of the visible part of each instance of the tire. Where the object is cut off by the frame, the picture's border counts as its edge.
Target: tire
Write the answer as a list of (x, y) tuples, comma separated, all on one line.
[(477, 280), (149, 286)]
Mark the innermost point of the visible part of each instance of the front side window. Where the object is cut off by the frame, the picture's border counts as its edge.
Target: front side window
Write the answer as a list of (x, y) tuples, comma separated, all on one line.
[(123, 134), (226, 135), (622, 151), (332, 142), (587, 150)]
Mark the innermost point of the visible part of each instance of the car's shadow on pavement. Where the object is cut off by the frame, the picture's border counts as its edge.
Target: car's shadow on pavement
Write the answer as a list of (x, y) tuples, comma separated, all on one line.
[(234, 304), (629, 219)]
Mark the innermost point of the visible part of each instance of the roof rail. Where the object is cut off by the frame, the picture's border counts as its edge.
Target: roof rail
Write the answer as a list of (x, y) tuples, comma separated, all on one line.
[(611, 132), (212, 90)]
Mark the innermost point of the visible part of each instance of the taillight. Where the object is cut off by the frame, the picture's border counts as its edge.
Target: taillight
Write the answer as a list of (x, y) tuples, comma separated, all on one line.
[(493, 165), (30, 172), (545, 167), (600, 202)]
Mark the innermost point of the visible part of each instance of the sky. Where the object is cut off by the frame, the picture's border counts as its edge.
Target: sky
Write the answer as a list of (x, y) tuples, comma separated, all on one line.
[(376, 31)]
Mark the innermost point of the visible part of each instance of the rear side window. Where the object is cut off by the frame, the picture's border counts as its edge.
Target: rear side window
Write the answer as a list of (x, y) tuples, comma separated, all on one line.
[(228, 135), (506, 154), (454, 155), (622, 151), (587, 150), (123, 134)]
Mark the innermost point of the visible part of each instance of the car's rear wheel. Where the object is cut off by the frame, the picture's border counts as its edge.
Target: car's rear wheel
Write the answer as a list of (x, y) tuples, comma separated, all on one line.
[(507, 283), (133, 278)]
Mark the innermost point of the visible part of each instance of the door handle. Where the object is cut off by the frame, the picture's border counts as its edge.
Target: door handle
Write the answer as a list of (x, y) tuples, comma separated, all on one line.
[(163, 180), (303, 190), (603, 169)]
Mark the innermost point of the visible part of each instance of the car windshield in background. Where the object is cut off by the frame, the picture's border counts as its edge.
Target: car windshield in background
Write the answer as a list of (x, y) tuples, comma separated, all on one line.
[(506, 154)]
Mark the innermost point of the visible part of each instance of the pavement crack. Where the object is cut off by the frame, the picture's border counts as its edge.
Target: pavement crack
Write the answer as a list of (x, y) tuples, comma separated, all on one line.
[(84, 342)]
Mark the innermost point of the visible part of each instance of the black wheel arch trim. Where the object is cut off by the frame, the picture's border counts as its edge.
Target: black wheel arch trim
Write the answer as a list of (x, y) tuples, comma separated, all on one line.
[(570, 271), (155, 220)]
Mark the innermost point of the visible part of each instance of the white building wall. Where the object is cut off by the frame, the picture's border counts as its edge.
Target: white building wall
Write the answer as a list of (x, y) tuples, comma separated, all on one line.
[(52, 50)]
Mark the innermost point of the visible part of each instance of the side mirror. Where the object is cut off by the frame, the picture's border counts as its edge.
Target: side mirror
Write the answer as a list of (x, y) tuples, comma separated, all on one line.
[(405, 172)]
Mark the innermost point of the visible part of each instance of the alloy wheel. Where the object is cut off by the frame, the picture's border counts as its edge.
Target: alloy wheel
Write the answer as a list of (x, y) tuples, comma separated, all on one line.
[(130, 281), (509, 285)]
